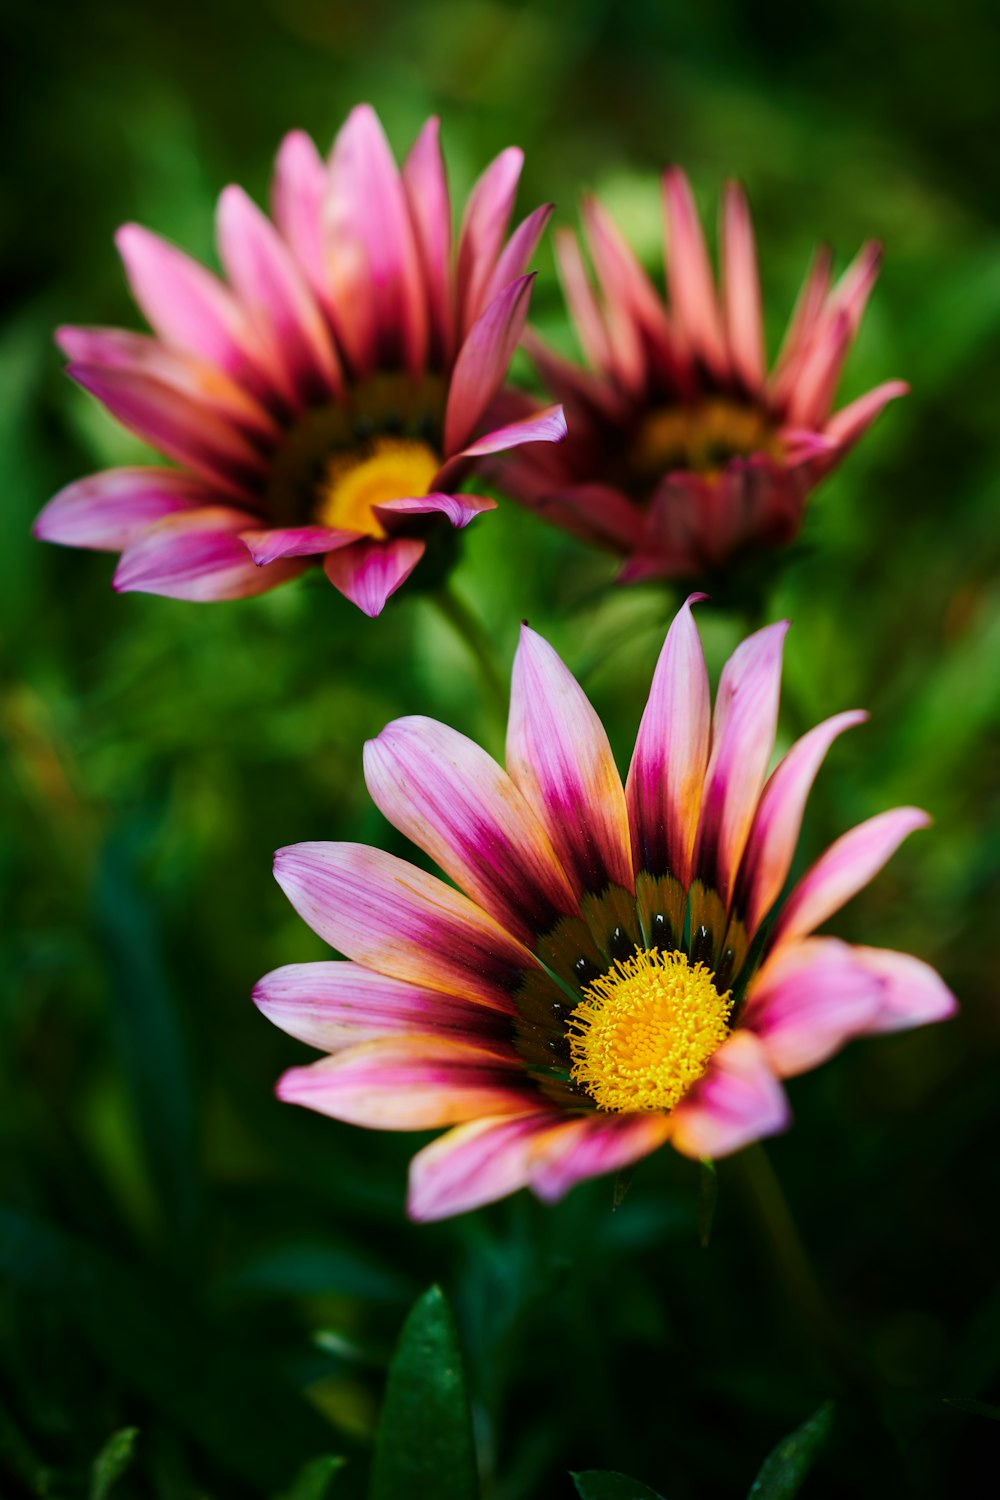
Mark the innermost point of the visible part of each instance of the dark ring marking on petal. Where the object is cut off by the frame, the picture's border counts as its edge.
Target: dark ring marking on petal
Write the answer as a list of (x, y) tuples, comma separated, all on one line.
[(621, 945)]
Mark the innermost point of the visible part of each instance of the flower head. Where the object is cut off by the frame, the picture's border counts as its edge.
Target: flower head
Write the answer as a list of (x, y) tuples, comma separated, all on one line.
[(683, 451), (323, 402), (612, 972)]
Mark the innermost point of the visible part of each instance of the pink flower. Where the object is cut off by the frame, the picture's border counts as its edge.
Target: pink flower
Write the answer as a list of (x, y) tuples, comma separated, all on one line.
[(683, 451), (328, 398), (602, 981)]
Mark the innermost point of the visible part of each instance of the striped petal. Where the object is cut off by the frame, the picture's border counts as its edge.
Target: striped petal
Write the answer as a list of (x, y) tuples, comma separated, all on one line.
[(689, 275), (592, 1146), (454, 802), (368, 573), (475, 1164), (336, 1005), (388, 915), (807, 1000), (411, 1083), (559, 757), (741, 290), (483, 361), (198, 555), (737, 1101), (778, 821), (107, 511), (911, 992), (667, 772), (846, 867)]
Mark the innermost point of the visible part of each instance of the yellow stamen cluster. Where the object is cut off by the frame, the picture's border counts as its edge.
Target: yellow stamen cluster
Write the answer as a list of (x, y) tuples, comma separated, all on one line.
[(644, 1031), (702, 437), (355, 482)]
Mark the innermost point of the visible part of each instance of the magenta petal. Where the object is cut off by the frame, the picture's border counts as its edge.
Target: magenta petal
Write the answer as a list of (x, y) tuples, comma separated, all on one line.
[(458, 509), (547, 426), (412, 1083), (592, 1146), (426, 186), (775, 832), (475, 1164), (268, 544), (585, 310), (689, 275), (807, 1001), (198, 555), (297, 195), (516, 255), (667, 772), (369, 572), (483, 361), (107, 511), (743, 729), (847, 425), (453, 800), (738, 1100), (846, 867), (741, 289), (559, 757), (911, 993), (808, 308), (484, 224), (390, 916), (335, 1005)]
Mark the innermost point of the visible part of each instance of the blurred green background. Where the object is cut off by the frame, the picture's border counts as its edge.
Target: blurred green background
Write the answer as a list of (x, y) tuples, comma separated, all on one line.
[(179, 1252)]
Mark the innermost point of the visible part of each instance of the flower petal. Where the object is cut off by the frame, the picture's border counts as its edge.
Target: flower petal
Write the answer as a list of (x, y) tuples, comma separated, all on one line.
[(484, 224), (846, 867), (741, 290), (453, 800), (425, 183), (591, 1146), (808, 308), (516, 254), (334, 1005), (807, 1001), (198, 555), (483, 361), (911, 992), (689, 275), (297, 195), (390, 916), (458, 509), (369, 572), (412, 1083), (107, 511), (847, 425), (778, 820), (585, 310), (559, 757), (475, 1164), (267, 544), (738, 1100), (667, 773)]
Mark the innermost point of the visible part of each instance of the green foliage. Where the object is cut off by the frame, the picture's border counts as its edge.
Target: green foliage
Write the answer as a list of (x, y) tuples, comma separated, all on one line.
[(315, 1481), (598, 1485), (112, 1462), (785, 1468)]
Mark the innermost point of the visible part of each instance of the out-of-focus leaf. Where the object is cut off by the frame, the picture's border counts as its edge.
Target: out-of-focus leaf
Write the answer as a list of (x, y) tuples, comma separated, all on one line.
[(311, 1268), (424, 1449), (314, 1480), (18, 1457), (708, 1197), (601, 1484), (784, 1470), (112, 1461), (976, 1408)]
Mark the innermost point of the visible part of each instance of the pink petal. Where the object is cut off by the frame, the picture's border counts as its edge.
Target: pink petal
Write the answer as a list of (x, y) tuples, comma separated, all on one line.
[(335, 1005), (390, 916), (412, 1083), (584, 308), (741, 290), (274, 291), (667, 772), (778, 821), (807, 1001), (594, 512), (846, 867), (743, 729), (847, 425), (591, 1146), (546, 426), (372, 254), (808, 307), (369, 572), (297, 196), (198, 555), (458, 509), (911, 992), (455, 803), (631, 306), (819, 373), (268, 544), (483, 361), (475, 1164), (426, 186), (689, 275), (516, 256), (484, 224), (737, 1101), (108, 511), (559, 757), (177, 424)]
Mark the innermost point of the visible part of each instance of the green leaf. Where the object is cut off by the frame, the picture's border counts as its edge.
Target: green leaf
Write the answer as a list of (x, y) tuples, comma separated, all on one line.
[(976, 1408), (708, 1197), (112, 1461), (315, 1479), (424, 1448), (602, 1484), (785, 1468)]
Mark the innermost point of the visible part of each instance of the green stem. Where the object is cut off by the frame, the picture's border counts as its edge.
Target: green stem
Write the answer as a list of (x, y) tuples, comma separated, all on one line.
[(472, 632)]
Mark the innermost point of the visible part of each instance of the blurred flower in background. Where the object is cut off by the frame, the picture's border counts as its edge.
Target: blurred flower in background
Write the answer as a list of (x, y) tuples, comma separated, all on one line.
[(329, 401), (607, 981), (683, 451)]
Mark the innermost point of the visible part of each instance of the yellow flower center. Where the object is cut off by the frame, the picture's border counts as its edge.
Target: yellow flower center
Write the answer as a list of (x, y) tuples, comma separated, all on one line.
[(644, 1031), (354, 483), (702, 437)]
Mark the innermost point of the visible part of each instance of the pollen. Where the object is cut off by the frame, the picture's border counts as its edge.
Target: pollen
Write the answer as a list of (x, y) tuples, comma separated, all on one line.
[(645, 1031), (703, 437), (354, 483)]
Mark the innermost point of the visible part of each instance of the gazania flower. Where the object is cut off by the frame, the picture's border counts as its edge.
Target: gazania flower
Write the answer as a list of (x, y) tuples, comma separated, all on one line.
[(611, 973), (328, 398), (683, 451)]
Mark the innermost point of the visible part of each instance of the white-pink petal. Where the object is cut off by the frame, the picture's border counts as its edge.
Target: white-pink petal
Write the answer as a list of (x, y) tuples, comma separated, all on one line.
[(911, 993), (475, 1164), (592, 1145), (738, 1100), (198, 555), (807, 1001)]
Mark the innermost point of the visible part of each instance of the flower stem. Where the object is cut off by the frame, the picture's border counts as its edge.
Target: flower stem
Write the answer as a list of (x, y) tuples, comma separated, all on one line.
[(471, 630)]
